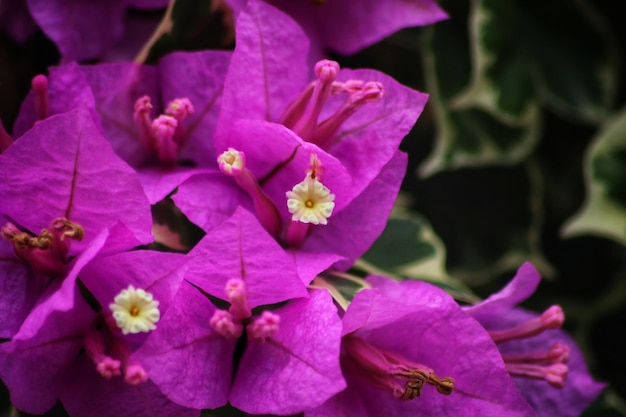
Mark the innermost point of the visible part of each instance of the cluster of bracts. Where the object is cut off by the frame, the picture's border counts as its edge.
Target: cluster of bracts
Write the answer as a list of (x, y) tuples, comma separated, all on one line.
[(291, 170)]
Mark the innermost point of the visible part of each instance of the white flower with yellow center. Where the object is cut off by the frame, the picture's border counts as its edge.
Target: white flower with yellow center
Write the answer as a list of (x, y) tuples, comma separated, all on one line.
[(135, 311), (231, 162), (310, 202)]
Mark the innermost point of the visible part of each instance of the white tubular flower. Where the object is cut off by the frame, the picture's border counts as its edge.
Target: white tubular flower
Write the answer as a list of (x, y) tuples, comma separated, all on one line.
[(310, 202), (135, 311), (232, 162)]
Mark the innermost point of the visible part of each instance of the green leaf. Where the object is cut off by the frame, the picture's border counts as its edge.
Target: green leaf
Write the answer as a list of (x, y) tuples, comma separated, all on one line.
[(192, 25), (609, 404), (523, 57), (495, 65), (409, 249), (473, 137), (469, 133), (604, 210), (403, 241)]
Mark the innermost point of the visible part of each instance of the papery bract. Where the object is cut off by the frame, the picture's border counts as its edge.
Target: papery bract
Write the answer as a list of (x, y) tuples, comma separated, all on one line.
[(346, 27), (499, 312), (421, 326), (50, 172), (240, 248), (111, 91), (268, 72), (238, 262), (266, 80), (51, 356), (50, 180), (197, 76), (85, 30)]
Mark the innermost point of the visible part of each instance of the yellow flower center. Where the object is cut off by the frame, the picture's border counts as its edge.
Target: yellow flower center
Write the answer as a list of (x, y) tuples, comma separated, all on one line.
[(310, 202), (135, 311)]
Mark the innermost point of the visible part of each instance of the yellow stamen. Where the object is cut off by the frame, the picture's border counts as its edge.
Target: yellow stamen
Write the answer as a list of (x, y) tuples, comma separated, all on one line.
[(23, 240), (70, 229)]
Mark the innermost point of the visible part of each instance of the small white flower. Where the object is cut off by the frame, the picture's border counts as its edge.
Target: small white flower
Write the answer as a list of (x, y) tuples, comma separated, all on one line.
[(231, 162), (135, 311), (310, 202)]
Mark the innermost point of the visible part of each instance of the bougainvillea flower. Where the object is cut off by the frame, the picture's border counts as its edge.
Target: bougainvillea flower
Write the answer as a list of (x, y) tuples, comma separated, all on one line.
[(286, 348), (241, 246), (408, 349), (81, 30), (349, 231), (345, 26), (546, 365), (61, 188), (360, 117), (304, 176), (185, 88), (52, 172), (73, 346)]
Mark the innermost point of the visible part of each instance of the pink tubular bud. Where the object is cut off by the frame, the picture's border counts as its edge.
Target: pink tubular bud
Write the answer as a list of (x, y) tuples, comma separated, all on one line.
[(164, 129), (224, 323), (559, 353), (325, 134), (94, 343), (135, 374), (326, 72), (233, 163), (108, 367), (552, 318), (164, 126), (297, 233), (179, 108), (371, 91), (238, 298), (554, 374), (42, 101), (296, 108), (263, 327), (143, 106), (348, 87)]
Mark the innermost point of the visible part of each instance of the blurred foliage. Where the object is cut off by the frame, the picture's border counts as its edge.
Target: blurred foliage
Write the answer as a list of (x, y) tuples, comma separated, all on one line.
[(409, 249), (192, 25), (604, 211), (514, 61)]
